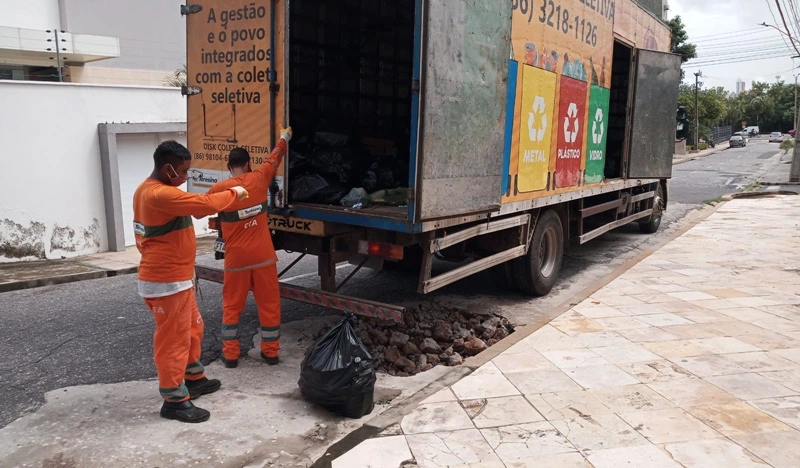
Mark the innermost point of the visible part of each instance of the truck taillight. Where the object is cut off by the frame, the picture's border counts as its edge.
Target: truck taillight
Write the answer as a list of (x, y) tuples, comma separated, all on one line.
[(377, 249)]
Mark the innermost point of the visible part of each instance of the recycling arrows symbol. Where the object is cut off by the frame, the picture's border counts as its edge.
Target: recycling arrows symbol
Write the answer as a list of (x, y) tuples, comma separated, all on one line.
[(537, 134), (597, 127), (571, 136)]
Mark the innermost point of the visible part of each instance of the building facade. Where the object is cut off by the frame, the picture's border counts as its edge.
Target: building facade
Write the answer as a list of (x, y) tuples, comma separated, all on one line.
[(101, 41)]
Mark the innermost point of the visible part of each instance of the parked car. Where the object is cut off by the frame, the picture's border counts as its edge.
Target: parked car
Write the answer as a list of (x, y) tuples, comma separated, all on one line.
[(775, 137), (745, 136), (752, 131), (792, 132), (737, 141)]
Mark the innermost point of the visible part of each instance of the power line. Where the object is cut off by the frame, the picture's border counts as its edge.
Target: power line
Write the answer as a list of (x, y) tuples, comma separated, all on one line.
[(771, 40), (727, 33), (745, 52), (795, 18), (775, 19), (709, 62), (783, 18)]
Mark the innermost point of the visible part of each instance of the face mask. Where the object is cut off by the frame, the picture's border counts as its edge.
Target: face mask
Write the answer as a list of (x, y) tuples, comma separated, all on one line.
[(175, 179)]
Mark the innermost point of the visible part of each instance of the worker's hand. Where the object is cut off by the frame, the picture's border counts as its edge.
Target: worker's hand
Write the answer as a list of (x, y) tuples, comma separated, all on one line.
[(241, 192), (286, 134)]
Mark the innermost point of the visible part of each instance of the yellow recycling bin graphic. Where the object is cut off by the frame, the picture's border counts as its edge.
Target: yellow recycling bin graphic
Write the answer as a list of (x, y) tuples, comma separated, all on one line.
[(536, 128)]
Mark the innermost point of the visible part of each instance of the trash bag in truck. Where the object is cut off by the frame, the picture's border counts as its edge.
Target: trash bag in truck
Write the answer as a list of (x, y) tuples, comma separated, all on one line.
[(315, 188), (338, 372)]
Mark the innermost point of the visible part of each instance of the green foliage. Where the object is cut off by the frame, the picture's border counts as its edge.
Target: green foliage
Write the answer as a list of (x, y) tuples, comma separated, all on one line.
[(679, 43), (787, 145), (177, 78), (713, 103), (768, 105)]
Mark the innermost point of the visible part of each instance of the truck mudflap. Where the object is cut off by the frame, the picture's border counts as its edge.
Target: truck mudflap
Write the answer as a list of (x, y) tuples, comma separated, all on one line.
[(321, 298)]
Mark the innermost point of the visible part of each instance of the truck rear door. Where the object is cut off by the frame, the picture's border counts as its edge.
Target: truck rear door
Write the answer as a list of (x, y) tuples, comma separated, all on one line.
[(465, 61), (230, 66), (655, 100)]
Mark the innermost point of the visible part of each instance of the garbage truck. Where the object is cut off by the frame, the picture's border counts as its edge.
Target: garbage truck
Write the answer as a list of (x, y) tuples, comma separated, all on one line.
[(491, 134)]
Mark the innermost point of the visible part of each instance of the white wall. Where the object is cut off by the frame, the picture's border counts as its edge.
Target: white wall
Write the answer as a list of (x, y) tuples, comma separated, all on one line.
[(30, 14), (51, 186), (135, 157)]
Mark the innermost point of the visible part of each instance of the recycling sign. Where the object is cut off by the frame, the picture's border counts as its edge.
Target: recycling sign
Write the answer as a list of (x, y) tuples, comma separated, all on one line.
[(537, 120), (597, 138), (572, 119)]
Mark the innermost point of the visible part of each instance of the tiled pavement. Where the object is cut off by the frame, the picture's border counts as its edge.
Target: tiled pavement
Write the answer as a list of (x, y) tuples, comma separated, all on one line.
[(691, 358)]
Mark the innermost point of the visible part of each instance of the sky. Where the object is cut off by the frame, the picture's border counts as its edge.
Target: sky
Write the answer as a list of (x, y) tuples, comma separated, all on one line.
[(730, 30)]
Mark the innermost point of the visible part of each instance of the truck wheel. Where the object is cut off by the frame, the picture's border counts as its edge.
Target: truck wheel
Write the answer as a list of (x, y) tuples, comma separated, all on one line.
[(537, 272), (654, 222)]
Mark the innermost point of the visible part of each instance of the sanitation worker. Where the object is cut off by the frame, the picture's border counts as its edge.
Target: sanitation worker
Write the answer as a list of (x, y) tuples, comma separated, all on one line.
[(250, 258), (165, 237)]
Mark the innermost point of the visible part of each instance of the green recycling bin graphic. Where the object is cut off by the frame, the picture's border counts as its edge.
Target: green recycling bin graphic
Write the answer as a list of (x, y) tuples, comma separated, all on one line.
[(597, 135)]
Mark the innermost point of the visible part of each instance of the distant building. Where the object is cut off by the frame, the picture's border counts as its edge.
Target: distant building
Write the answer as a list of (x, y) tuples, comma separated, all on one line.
[(741, 86), (657, 7), (103, 41)]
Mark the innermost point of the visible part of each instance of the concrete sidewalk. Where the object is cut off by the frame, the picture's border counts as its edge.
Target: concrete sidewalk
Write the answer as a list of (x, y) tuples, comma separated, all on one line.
[(691, 358), (15, 276), (779, 175)]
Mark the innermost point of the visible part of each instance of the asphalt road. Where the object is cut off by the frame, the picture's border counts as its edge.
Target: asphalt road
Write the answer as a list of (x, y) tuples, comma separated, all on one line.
[(100, 332), (722, 173)]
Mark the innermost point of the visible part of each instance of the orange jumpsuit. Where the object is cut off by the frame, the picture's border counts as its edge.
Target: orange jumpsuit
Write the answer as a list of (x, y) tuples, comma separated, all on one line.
[(165, 237), (250, 259)]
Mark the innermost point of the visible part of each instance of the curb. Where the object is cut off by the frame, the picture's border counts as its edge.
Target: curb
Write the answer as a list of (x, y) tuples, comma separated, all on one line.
[(693, 158), (734, 196), (64, 279)]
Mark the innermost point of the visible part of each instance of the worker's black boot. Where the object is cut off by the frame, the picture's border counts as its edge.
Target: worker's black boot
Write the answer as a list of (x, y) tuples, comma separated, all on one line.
[(184, 411), (198, 388), (272, 361), (230, 363)]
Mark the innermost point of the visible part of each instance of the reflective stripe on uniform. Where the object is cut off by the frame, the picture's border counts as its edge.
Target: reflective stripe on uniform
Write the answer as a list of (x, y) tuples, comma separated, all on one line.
[(252, 267), (229, 332), (174, 394), (234, 216), (269, 334), (181, 222), (195, 368)]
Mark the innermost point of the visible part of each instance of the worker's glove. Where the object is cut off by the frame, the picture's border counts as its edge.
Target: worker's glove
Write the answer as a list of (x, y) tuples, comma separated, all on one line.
[(241, 192), (286, 134)]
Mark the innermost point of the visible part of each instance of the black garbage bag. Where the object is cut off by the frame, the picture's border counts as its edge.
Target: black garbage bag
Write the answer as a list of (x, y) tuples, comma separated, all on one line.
[(386, 173), (335, 163), (338, 372), (315, 188), (331, 139)]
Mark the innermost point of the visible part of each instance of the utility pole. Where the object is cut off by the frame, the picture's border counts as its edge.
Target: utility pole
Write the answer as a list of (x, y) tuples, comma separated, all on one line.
[(794, 171), (697, 111)]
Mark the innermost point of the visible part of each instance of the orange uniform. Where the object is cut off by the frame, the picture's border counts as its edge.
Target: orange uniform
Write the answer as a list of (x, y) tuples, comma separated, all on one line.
[(250, 259), (165, 237)]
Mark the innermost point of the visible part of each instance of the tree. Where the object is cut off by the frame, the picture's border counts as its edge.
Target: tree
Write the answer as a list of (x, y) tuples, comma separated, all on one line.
[(680, 41), (176, 78)]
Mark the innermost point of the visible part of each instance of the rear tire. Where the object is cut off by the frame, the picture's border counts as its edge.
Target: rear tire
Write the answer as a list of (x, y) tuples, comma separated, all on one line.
[(654, 222), (537, 272)]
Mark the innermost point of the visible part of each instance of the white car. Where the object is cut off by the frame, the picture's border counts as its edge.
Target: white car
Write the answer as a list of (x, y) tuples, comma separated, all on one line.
[(775, 137)]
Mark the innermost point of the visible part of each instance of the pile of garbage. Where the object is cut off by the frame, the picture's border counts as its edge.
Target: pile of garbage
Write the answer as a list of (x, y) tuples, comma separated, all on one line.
[(430, 335), (333, 168)]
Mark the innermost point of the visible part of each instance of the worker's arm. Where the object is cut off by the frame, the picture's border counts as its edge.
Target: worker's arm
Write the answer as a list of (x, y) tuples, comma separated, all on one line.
[(176, 202), (270, 166)]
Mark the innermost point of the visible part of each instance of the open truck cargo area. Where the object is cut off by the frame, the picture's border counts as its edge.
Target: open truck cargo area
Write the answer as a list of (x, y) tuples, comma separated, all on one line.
[(489, 134)]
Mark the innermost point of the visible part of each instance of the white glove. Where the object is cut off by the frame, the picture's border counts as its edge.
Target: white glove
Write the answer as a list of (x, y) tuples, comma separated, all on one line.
[(286, 134), (241, 192)]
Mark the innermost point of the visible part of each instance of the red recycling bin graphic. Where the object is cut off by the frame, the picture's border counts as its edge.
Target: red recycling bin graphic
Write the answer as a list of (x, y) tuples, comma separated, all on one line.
[(570, 130)]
